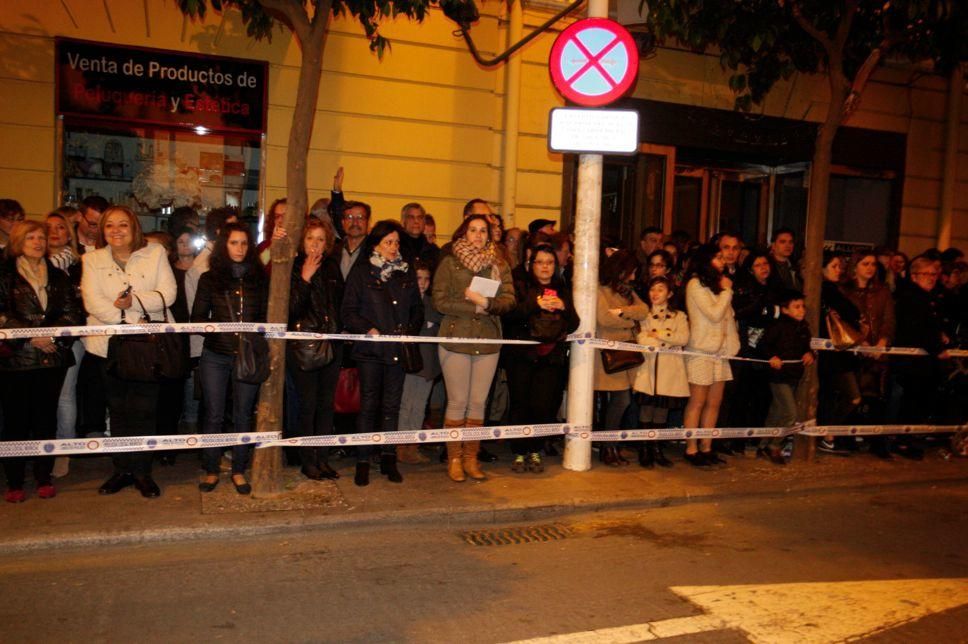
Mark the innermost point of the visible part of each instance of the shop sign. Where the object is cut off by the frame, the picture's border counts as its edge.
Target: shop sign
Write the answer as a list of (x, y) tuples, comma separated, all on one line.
[(593, 131), (159, 87)]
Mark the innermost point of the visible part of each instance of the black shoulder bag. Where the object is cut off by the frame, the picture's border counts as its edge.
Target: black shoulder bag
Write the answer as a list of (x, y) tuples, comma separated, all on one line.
[(149, 357)]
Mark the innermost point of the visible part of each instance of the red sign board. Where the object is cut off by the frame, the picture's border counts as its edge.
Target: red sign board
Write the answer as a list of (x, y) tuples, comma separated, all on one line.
[(594, 62)]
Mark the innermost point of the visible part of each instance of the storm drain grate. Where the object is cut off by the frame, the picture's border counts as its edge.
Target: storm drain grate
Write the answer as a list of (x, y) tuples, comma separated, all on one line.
[(511, 536)]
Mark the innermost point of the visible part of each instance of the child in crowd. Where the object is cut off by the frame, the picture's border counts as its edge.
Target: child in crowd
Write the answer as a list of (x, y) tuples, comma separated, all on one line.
[(787, 339), (660, 383)]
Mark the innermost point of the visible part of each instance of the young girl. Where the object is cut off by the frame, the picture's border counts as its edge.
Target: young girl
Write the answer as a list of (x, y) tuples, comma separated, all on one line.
[(660, 382)]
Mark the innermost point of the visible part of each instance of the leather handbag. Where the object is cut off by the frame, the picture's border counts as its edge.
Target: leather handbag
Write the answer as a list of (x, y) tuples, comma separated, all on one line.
[(150, 357), (842, 334), (310, 355), (251, 356), (618, 360), (347, 398), (410, 358)]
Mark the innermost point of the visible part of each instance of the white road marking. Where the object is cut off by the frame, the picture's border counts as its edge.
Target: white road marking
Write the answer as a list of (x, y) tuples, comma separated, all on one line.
[(804, 613)]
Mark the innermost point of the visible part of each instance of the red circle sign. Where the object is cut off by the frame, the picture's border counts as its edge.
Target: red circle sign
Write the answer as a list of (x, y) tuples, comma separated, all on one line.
[(594, 62)]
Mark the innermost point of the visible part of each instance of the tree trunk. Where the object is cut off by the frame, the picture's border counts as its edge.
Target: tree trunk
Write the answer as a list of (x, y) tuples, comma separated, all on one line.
[(817, 202), (267, 463)]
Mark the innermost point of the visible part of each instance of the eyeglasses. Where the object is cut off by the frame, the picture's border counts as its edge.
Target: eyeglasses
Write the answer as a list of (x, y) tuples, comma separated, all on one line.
[(356, 217)]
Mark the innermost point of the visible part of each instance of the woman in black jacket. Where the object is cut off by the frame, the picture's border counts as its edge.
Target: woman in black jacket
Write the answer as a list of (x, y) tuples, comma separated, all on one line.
[(381, 298), (235, 289), (314, 300), (33, 293), (537, 373)]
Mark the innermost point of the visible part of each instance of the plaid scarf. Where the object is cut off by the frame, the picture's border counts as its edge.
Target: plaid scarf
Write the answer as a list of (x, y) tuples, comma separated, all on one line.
[(387, 266), (474, 259)]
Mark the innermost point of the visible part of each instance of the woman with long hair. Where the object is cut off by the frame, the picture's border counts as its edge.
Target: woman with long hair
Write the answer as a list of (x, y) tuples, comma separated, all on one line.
[(537, 374), (235, 289), (712, 331), (620, 312), (381, 298), (125, 280), (469, 368), (33, 293), (315, 296)]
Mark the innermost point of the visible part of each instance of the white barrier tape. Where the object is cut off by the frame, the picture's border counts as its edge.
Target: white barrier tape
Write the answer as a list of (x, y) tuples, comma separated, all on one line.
[(586, 338), (806, 429), (114, 445), (444, 435), (878, 430), (138, 329), (821, 344), (357, 337)]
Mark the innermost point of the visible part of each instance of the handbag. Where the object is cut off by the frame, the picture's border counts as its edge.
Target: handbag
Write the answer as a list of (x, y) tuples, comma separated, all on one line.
[(347, 397), (410, 358), (310, 355), (618, 360), (251, 356), (842, 335), (149, 357)]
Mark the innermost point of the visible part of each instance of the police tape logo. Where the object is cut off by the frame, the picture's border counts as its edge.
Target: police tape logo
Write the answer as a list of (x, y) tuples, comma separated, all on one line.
[(246, 439), (775, 432), (49, 447), (151, 443), (652, 434), (3, 335), (497, 433), (191, 441), (716, 433), (454, 434), (527, 431), (209, 328), (689, 433), (750, 432), (584, 435), (376, 438), (93, 445), (422, 436), (624, 435)]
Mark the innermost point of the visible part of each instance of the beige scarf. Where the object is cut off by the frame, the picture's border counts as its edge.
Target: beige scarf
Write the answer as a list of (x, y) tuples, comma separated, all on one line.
[(474, 259), (37, 278)]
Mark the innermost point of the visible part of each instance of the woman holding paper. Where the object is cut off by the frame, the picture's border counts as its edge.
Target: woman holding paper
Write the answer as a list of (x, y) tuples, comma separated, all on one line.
[(472, 289)]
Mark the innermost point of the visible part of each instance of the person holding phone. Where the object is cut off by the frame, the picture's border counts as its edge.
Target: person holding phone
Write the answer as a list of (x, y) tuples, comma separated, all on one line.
[(537, 374), (469, 368), (124, 280)]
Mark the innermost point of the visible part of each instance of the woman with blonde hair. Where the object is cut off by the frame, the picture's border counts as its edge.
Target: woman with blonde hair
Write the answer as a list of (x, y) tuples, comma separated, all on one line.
[(125, 280)]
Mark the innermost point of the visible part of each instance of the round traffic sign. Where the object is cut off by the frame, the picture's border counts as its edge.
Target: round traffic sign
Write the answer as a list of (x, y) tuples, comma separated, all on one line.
[(594, 62)]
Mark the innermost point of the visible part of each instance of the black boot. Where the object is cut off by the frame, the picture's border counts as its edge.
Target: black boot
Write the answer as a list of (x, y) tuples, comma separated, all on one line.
[(362, 477), (309, 469), (388, 467), (647, 455), (660, 458), (609, 455)]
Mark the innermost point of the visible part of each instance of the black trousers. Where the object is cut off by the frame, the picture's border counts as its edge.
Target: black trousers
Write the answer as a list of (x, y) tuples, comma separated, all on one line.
[(315, 393), (536, 389), (133, 407), (381, 388), (92, 403), (29, 400)]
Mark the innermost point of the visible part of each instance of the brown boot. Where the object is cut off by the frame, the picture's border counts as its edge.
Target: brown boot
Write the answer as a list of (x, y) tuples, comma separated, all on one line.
[(471, 465), (454, 468), (410, 454)]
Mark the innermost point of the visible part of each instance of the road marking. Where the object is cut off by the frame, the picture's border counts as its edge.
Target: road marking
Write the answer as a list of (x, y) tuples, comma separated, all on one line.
[(805, 613)]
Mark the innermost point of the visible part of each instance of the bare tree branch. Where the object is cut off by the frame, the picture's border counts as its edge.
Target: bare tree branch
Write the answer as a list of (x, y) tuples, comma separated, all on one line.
[(846, 22), (863, 75), (294, 13)]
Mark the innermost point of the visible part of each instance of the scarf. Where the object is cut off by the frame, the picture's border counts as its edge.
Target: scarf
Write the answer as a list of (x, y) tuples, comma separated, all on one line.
[(388, 266), (474, 259), (37, 278), (64, 258)]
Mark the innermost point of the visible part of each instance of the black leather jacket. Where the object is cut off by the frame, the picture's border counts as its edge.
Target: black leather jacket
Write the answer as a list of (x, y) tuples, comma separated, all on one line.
[(248, 298), (393, 308), (314, 305), (20, 307)]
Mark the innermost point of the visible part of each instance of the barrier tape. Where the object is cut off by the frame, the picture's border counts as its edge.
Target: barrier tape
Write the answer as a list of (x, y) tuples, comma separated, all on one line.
[(138, 329), (586, 338), (360, 337), (115, 445), (444, 435), (806, 429)]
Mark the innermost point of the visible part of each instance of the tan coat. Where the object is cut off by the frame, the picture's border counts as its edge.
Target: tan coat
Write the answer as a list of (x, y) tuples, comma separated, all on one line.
[(461, 318), (620, 328), (664, 374)]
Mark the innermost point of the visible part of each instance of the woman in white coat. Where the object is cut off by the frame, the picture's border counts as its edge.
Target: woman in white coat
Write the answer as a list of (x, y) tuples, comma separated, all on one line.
[(124, 280), (712, 330), (660, 382)]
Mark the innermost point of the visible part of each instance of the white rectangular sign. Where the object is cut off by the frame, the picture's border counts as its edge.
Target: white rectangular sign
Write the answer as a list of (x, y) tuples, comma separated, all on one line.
[(593, 130)]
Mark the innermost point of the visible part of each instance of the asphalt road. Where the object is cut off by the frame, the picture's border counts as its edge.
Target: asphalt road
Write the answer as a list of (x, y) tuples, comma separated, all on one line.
[(881, 566)]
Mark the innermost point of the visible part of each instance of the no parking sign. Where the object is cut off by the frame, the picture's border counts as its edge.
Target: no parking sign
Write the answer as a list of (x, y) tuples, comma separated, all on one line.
[(594, 62)]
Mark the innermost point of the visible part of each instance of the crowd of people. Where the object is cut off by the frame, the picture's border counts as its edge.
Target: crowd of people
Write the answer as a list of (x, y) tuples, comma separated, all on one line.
[(719, 300)]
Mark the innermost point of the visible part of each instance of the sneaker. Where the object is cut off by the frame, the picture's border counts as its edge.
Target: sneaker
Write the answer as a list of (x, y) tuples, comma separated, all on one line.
[(534, 463), (15, 496), (828, 446), (46, 491), (519, 465)]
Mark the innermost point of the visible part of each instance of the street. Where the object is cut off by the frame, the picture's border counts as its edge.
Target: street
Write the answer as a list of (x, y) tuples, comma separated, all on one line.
[(885, 565)]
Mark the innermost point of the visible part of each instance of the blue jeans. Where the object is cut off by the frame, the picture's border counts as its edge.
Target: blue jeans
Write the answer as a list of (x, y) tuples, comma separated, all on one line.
[(381, 388), (215, 374)]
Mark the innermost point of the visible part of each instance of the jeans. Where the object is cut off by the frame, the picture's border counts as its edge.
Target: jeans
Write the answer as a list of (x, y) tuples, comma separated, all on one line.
[(536, 389), (783, 411), (29, 401), (67, 402), (618, 402), (413, 406), (468, 381), (215, 371), (134, 408), (315, 392), (381, 388)]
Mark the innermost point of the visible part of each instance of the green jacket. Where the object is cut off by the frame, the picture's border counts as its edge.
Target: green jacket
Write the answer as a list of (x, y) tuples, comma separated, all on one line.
[(461, 319)]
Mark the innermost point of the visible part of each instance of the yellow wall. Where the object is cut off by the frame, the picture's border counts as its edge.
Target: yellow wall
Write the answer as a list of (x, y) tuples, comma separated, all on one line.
[(425, 123)]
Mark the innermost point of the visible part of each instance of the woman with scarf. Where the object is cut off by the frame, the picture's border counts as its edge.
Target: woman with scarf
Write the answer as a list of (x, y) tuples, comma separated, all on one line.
[(381, 298), (33, 293), (468, 313)]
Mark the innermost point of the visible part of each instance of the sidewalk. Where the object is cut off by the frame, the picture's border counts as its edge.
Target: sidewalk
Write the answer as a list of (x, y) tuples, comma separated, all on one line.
[(79, 517)]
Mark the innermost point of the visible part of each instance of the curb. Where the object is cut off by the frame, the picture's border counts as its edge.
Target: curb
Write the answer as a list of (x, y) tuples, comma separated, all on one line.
[(442, 515)]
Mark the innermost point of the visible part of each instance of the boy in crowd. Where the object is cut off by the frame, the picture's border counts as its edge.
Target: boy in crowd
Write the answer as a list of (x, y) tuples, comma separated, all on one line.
[(788, 338)]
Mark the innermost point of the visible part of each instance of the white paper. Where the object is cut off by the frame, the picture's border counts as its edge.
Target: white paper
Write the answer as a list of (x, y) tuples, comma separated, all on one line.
[(484, 286)]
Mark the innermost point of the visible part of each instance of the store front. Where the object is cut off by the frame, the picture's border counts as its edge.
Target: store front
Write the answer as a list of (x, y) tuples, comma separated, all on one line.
[(155, 130), (702, 171)]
